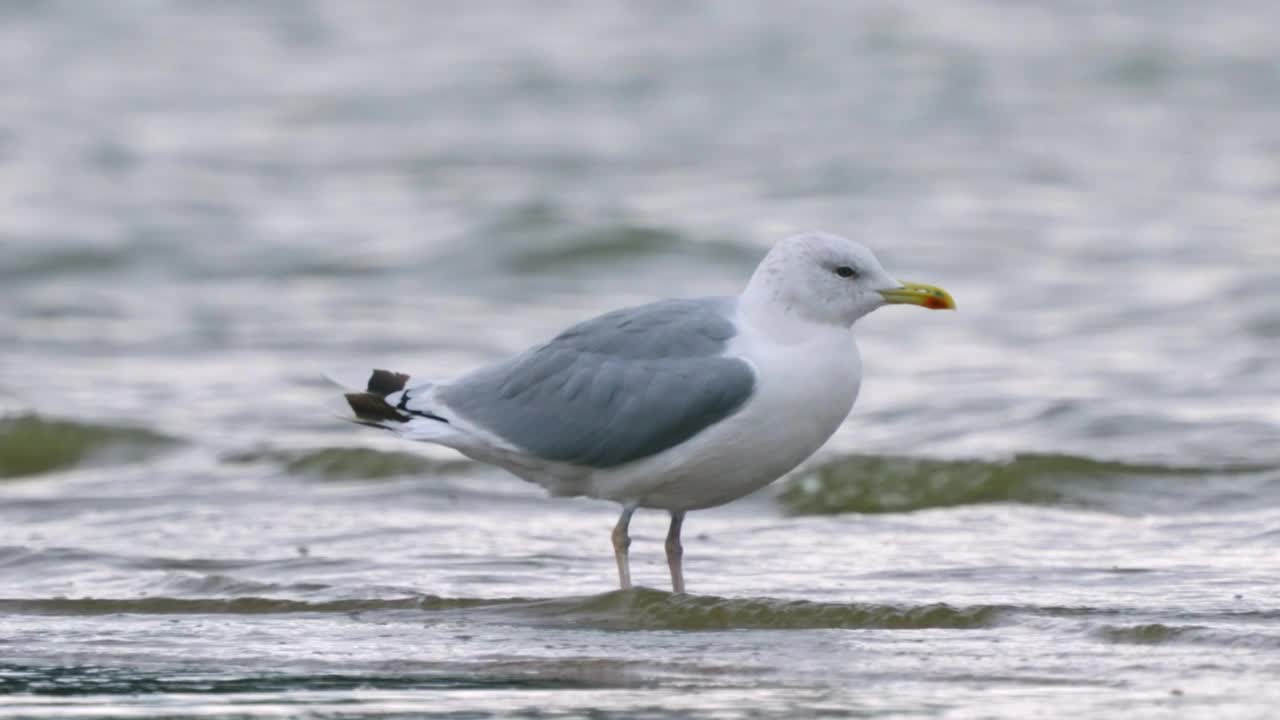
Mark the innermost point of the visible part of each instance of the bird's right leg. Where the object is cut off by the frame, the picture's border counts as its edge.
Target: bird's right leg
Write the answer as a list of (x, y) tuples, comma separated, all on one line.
[(622, 541), (675, 552)]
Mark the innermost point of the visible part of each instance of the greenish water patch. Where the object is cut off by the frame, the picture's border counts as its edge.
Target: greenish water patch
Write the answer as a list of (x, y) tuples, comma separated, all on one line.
[(342, 463), (636, 609), (32, 445), (877, 484), (646, 609), (65, 261), (1161, 634), (1146, 634), (622, 244)]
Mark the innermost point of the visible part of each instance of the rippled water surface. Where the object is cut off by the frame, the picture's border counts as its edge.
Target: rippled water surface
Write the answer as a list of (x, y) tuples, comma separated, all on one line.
[(1062, 500)]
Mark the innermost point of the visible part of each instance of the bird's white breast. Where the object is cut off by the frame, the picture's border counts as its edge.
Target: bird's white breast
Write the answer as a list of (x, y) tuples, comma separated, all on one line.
[(806, 383)]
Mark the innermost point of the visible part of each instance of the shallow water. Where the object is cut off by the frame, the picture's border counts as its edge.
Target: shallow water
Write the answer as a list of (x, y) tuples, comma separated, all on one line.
[(1063, 499)]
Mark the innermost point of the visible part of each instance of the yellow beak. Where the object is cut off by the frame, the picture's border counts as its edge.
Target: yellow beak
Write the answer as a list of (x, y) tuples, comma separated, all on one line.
[(934, 298)]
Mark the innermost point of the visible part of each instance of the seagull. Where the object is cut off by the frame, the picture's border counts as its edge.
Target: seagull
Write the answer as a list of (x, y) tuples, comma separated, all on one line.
[(677, 405)]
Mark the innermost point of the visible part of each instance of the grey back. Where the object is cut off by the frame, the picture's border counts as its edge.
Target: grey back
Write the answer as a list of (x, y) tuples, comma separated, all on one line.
[(617, 388)]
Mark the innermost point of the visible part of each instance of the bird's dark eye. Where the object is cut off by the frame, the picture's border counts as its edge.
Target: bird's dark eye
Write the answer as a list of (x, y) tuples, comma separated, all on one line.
[(845, 271)]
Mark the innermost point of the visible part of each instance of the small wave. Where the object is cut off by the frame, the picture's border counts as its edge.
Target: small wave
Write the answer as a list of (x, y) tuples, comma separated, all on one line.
[(337, 463), (72, 680), (1160, 634), (621, 243), (874, 484), (646, 609), (218, 584), (638, 609), (31, 445), (1146, 634), (542, 237), (65, 261)]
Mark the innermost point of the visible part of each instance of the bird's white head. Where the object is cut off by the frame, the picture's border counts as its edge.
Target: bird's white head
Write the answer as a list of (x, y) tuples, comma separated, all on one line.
[(833, 280)]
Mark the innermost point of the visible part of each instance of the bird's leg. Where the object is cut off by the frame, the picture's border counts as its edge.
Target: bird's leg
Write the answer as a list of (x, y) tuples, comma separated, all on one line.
[(675, 552), (621, 541)]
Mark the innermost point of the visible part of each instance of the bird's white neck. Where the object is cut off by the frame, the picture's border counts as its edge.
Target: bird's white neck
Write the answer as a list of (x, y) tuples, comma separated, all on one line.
[(771, 313)]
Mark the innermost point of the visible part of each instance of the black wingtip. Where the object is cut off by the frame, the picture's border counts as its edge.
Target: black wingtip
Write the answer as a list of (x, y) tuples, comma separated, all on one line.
[(373, 408), (385, 382)]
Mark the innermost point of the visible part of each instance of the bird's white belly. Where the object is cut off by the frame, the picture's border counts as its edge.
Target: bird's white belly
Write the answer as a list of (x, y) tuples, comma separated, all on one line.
[(803, 393)]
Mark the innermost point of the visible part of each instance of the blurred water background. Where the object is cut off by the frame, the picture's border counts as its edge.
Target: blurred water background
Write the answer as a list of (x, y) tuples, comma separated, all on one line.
[(1062, 500)]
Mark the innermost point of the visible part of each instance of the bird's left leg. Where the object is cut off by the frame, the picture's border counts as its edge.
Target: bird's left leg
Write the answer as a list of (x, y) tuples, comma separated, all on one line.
[(622, 541), (675, 552)]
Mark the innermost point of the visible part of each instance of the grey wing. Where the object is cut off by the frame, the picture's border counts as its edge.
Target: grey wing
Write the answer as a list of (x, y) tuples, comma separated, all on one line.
[(618, 388)]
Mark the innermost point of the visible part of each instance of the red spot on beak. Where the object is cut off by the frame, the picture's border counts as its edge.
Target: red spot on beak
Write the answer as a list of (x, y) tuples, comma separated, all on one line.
[(934, 303)]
